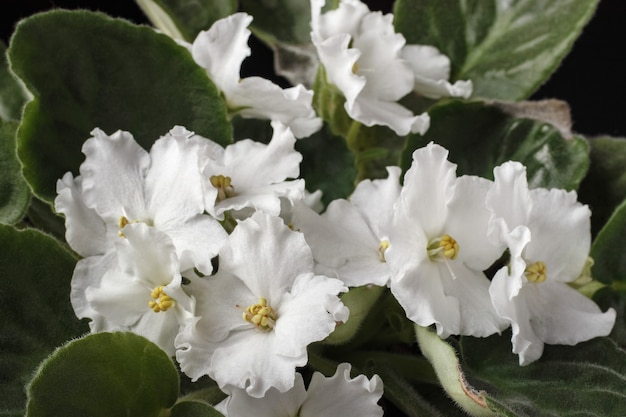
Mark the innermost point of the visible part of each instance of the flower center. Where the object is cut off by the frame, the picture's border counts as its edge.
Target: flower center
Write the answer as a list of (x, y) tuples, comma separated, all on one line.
[(123, 221), (536, 272), (162, 301), (443, 247), (223, 186), (382, 248), (261, 315)]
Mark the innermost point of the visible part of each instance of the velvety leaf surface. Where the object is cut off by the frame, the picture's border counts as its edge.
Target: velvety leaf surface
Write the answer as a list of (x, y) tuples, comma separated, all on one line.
[(88, 70), (188, 16), (286, 20), (12, 93), (104, 374), (14, 191), (507, 48), (604, 187), (194, 409), (588, 379), (35, 271), (480, 137)]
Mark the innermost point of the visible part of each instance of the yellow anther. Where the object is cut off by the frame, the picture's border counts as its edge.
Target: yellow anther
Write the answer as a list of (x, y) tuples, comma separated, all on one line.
[(355, 68), (450, 247), (382, 248), (261, 315), (536, 272), (121, 223), (223, 185), (444, 246), (163, 301)]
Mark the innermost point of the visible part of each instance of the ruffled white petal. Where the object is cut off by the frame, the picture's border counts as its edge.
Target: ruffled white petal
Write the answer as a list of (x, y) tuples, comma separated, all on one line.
[(342, 395), (431, 70)]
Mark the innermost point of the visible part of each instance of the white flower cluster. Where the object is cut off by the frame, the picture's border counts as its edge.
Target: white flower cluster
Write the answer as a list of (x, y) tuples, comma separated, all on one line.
[(432, 239), (216, 255)]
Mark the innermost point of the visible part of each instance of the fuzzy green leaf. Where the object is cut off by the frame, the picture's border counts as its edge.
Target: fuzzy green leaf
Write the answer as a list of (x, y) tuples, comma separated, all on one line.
[(480, 137), (194, 409), (507, 48), (104, 374), (88, 70), (14, 191), (286, 20), (35, 271), (13, 96)]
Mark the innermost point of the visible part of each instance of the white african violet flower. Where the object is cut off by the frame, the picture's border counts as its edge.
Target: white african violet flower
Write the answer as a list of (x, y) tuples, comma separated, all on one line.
[(349, 239), (221, 50), (439, 248), (432, 71), (339, 395), (259, 312), (361, 54), (120, 183), (548, 235), (135, 288), (254, 176)]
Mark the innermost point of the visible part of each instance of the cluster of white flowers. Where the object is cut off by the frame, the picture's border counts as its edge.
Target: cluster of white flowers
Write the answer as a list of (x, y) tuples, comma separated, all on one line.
[(217, 256)]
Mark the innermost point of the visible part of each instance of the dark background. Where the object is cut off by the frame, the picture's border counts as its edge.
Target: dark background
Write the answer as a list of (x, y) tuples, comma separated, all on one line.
[(592, 78)]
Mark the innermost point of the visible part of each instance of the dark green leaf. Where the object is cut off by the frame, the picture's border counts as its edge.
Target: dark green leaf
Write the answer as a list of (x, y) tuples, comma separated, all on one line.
[(587, 379), (507, 48), (188, 17), (284, 20), (14, 191), (194, 409), (604, 187), (37, 316), (88, 70), (13, 96), (104, 374), (480, 137)]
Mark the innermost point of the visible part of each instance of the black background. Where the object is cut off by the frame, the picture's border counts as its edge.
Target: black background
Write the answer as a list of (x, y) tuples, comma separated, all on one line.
[(591, 78)]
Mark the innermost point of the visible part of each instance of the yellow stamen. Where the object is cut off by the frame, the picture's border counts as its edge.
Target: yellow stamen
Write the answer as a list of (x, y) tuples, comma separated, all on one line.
[(536, 272), (355, 68), (444, 246), (163, 301), (223, 185), (261, 315), (121, 223), (382, 248)]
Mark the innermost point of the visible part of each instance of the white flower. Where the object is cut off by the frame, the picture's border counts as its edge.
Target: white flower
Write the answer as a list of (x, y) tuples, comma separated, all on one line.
[(349, 239), (439, 248), (135, 288), (339, 395), (252, 175), (120, 183), (432, 71), (221, 50), (361, 54), (548, 235), (259, 312)]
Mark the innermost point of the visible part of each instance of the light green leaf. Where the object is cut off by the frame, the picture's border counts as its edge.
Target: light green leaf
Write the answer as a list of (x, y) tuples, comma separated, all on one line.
[(104, 374), (507, 48), (184, 19), (587, 379), (194, 409), (604, 187), (14, 191), (480, 137), (35, 271), (13, 96), (127, 77)]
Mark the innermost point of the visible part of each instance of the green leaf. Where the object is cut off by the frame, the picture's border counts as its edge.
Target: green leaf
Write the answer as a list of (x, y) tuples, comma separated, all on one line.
[(14, 191), (35, 271), (127, 77), (13, 96), (504, 47), (104, 374), (604, 187), (480, 137), (609, 267), (184, 19), (586, 379), (285, 20), (194, 409)]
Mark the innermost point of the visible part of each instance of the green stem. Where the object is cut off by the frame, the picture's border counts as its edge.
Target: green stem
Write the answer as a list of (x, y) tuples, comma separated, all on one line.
[(356, 147), (618, 286)]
